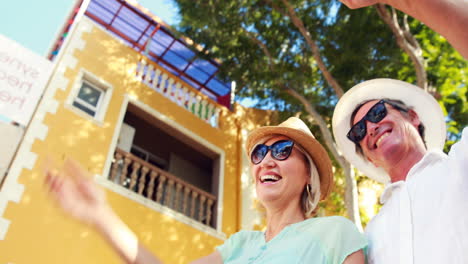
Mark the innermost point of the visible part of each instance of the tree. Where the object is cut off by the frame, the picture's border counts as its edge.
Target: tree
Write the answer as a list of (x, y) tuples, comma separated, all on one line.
[(447, 69), (296, 56)]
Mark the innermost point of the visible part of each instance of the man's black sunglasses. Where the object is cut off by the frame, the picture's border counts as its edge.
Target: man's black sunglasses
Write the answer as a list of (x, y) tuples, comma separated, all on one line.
[(378, 112), (280, 150)]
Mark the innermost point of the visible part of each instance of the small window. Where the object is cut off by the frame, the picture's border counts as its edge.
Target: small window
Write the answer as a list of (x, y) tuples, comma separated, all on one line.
[(89, 98)]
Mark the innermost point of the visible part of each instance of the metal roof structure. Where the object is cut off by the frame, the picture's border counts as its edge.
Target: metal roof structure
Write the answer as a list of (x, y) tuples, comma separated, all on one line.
[(154, 39)]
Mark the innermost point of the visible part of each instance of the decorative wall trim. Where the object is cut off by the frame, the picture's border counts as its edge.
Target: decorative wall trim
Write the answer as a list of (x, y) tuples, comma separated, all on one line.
[(12, 191)]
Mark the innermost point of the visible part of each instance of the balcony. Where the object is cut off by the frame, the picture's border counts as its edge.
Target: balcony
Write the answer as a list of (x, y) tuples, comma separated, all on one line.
[(176, 90), (168, 63), (161, 187)]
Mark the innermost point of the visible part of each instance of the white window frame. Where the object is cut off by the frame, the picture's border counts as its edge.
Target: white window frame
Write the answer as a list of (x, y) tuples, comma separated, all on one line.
[(97, 83), (104, 181), (87, 105)]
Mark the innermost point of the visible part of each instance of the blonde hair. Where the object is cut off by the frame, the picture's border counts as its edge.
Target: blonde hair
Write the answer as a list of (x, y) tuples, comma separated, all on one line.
[(310, 195)]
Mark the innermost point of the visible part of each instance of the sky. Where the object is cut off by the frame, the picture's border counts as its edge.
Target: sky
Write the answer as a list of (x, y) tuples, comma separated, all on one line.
[(35, 23)]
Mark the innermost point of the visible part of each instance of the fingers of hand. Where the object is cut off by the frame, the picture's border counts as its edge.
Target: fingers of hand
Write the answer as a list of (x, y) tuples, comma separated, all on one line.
[(62, 190), (48, 164), (83, 180), (73, 188), (53, 181), (359, 3)]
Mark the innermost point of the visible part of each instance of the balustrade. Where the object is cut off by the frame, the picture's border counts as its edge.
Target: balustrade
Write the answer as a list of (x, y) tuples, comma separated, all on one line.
[(162, 187), (179, 92)]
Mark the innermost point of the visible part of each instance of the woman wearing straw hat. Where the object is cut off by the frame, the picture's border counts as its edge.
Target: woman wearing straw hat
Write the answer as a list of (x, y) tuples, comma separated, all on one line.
[(292, 172)]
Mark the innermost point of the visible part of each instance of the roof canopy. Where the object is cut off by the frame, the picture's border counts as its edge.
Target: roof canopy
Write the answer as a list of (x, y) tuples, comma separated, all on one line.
[(151, 37)]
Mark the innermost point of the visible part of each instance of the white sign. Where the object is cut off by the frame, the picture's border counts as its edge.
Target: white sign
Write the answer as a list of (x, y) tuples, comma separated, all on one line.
[(23, 76), (9, 141)]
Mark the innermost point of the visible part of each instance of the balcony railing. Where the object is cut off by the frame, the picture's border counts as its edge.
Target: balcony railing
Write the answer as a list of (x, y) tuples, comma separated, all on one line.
[(162, 187), (162, 81)]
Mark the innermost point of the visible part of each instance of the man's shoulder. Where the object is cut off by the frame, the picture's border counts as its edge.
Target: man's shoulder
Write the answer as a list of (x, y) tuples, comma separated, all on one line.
[(379, 222), (460, 147), (372, 225)]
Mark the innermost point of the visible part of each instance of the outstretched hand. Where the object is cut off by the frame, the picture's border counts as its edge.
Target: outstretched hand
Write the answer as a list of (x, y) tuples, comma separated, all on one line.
[(75, 192), (359, 3)]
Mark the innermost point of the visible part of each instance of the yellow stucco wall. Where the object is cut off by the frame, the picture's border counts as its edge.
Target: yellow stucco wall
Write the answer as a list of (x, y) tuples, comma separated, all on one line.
[(39, 233)]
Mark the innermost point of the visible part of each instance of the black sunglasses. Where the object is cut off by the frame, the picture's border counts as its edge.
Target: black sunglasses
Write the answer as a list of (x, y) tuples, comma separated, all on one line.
[(378, 112), (280, 150)]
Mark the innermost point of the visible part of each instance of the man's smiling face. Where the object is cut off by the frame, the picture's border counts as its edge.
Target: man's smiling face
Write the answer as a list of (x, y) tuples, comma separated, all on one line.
[(389, 141)]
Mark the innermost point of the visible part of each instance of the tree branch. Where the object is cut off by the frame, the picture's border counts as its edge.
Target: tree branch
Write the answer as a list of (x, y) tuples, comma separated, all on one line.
[(263, 47), (319, 121), (351, 185), (406, 41), (314, 48)]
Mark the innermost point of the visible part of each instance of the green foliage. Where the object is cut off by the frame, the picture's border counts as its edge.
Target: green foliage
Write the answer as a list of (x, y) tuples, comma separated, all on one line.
[(447, 74), (334, 204), (359, 46), (261, 49)]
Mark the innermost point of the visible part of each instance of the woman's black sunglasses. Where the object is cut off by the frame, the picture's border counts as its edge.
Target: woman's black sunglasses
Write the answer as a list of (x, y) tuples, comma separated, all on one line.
[(378, 112), (280, 150)]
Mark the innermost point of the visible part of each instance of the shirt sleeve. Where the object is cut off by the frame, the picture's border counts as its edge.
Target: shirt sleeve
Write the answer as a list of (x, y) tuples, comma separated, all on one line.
[(459, 153), (231, 246), (341, 239)]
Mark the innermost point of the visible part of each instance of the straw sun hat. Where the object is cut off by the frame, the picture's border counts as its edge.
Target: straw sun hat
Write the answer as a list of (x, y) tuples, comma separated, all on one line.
[(297, 131), (427, 108)]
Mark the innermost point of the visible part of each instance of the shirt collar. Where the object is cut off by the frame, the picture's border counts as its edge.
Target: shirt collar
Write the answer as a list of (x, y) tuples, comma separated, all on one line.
[(431, 157), (388, 191)]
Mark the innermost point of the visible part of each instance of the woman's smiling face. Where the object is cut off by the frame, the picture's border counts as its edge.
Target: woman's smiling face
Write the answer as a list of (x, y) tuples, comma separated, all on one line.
[(280, 180)]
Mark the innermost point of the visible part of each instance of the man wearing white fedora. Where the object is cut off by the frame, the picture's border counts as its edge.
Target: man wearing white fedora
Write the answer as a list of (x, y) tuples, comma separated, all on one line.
[(394, 132)]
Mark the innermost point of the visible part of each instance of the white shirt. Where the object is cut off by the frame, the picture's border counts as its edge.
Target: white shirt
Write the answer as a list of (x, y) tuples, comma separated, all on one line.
[(425, 218)]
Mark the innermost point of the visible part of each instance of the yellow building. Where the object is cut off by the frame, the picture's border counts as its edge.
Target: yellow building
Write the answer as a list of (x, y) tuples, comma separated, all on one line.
[(153, 122)]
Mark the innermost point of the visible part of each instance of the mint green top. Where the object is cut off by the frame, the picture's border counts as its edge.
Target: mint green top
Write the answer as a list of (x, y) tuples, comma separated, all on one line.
[(316, 240)]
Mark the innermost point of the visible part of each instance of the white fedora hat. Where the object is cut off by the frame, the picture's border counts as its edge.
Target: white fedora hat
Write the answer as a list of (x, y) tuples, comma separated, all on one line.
[(423, 104)]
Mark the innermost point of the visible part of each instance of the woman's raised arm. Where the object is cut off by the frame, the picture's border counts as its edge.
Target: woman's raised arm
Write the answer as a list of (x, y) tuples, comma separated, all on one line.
[(74, 190)]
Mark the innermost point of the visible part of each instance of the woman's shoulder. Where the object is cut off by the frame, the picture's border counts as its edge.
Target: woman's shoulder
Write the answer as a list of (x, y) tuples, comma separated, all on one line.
[(333, 233), (328, 220), (237, 242), (327, 224), (245, 236)]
